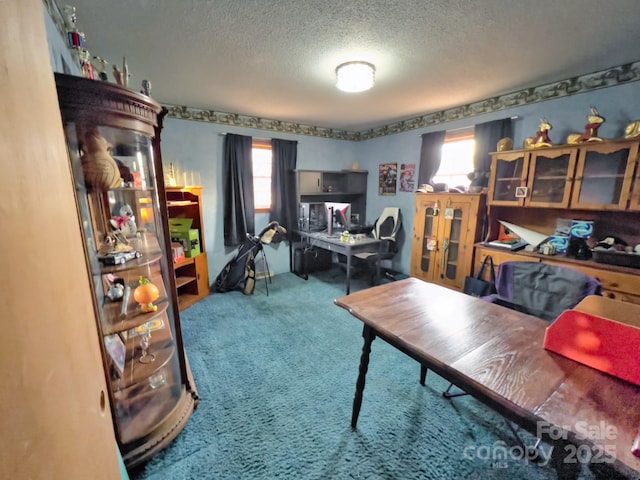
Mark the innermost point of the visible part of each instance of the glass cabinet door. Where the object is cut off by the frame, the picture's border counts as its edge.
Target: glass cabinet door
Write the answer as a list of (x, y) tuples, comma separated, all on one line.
[(430, 239), (113, 151), (605, 175), (550, 177), (634, 204), (451, 243), (508, 175)]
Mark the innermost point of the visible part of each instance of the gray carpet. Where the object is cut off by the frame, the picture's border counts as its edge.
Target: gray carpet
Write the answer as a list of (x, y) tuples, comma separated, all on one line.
[(276, 375)]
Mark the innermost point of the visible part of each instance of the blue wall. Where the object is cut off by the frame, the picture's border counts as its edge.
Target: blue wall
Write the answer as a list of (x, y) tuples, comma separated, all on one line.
[(198, 146)]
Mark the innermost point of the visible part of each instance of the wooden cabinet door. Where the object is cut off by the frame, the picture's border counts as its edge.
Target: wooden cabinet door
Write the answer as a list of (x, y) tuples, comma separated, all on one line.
[(456, 235), (309, 182), (634, 203), (446, 227), (508, 174), (426, 242), (550, 177), (202, 275), (605, 175)]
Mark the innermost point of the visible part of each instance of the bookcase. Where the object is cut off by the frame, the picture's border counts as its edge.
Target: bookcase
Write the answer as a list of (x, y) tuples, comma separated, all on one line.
[(192, 272)]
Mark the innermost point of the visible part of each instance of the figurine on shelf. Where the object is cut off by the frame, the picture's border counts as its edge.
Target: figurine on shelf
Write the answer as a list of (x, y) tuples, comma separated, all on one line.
[(145, 294), (85, 63), (70, 17), (126, 222), (100, 66), (632, 130), (98, 166), (145, 340), (505, 144), (122, 76), (125, 72), (542, 136), (117, 75), (590, 129), (146, 88)]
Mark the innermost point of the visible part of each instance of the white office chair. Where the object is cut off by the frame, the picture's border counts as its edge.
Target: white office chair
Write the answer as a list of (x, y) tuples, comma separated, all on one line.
[(385, 228)]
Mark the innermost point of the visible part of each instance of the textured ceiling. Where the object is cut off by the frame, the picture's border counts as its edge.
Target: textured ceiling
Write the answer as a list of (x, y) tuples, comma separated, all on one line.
[(276, 59)]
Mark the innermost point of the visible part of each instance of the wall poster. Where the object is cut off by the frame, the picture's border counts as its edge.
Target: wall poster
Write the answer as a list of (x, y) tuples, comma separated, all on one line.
[(387, 177), (407, 177)]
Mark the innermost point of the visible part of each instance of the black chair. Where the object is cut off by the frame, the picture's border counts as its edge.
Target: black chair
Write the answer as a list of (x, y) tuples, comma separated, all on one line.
[(385, 228), (538, 289)]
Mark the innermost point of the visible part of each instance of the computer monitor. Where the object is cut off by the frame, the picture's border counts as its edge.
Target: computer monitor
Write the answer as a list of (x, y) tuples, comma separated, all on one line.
[(338, 215)]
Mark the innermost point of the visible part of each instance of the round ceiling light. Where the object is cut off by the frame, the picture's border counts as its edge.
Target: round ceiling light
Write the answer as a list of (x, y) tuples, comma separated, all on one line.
[(355, 77)]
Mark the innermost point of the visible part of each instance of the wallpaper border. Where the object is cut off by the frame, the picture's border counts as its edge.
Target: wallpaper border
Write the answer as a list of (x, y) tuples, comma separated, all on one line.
[(619, 75), (611, 77)]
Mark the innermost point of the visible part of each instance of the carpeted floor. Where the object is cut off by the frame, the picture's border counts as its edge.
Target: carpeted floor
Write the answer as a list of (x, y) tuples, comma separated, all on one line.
[(276, 375)]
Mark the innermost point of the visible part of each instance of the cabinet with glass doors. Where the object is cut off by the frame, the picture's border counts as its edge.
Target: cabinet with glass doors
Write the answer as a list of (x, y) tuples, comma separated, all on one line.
[(113, 141), (585, 176), (446, 226)]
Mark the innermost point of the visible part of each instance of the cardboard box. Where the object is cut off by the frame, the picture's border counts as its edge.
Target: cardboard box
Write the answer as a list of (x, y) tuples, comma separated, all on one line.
[(181, 232), (601, 333), (178, 252)]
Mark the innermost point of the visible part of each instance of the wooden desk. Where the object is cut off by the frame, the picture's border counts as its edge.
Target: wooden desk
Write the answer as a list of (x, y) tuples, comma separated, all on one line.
[(496, 355), (334, 244)]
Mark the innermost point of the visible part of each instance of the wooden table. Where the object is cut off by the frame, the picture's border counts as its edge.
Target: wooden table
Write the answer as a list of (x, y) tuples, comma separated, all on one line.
[(334, 244), (497, 355)]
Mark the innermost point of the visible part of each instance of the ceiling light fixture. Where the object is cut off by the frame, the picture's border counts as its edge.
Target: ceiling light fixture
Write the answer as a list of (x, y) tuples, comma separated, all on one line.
[(355, 77)]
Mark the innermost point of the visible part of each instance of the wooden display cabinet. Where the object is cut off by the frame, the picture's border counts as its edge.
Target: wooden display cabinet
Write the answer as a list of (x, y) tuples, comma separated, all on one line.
[(446, 226), (508, 174), (550, 177), (605, 175), (113, 142), (585, 176), (192, 273)]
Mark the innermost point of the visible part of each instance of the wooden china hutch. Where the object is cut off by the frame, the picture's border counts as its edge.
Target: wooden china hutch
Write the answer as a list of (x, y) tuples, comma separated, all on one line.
[(122, 217), (596, 181)]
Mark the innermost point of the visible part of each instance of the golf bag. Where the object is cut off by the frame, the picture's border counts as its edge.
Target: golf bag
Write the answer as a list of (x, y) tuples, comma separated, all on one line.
[(240, 272)]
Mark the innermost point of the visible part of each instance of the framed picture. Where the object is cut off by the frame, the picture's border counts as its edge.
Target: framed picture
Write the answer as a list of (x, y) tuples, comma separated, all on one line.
[(521, 192), (407, 177), (387, 177), (117, 351)]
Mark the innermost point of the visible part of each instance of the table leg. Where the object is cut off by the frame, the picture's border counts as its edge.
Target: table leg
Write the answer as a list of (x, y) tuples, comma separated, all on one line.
[(348, 273), (423, 374), (562, 460), (369, 336)]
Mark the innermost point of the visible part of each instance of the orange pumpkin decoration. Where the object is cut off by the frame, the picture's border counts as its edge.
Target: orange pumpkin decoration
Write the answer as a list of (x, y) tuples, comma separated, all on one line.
[(145, 294)]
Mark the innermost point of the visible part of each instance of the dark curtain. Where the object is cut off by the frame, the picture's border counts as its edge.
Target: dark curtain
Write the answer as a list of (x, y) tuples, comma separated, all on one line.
[(283, 187), (239, 211), (486, 136), (430, 155)]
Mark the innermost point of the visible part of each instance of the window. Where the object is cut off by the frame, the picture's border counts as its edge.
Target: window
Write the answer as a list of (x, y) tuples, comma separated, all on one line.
[(261, 157), (457, 159)]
